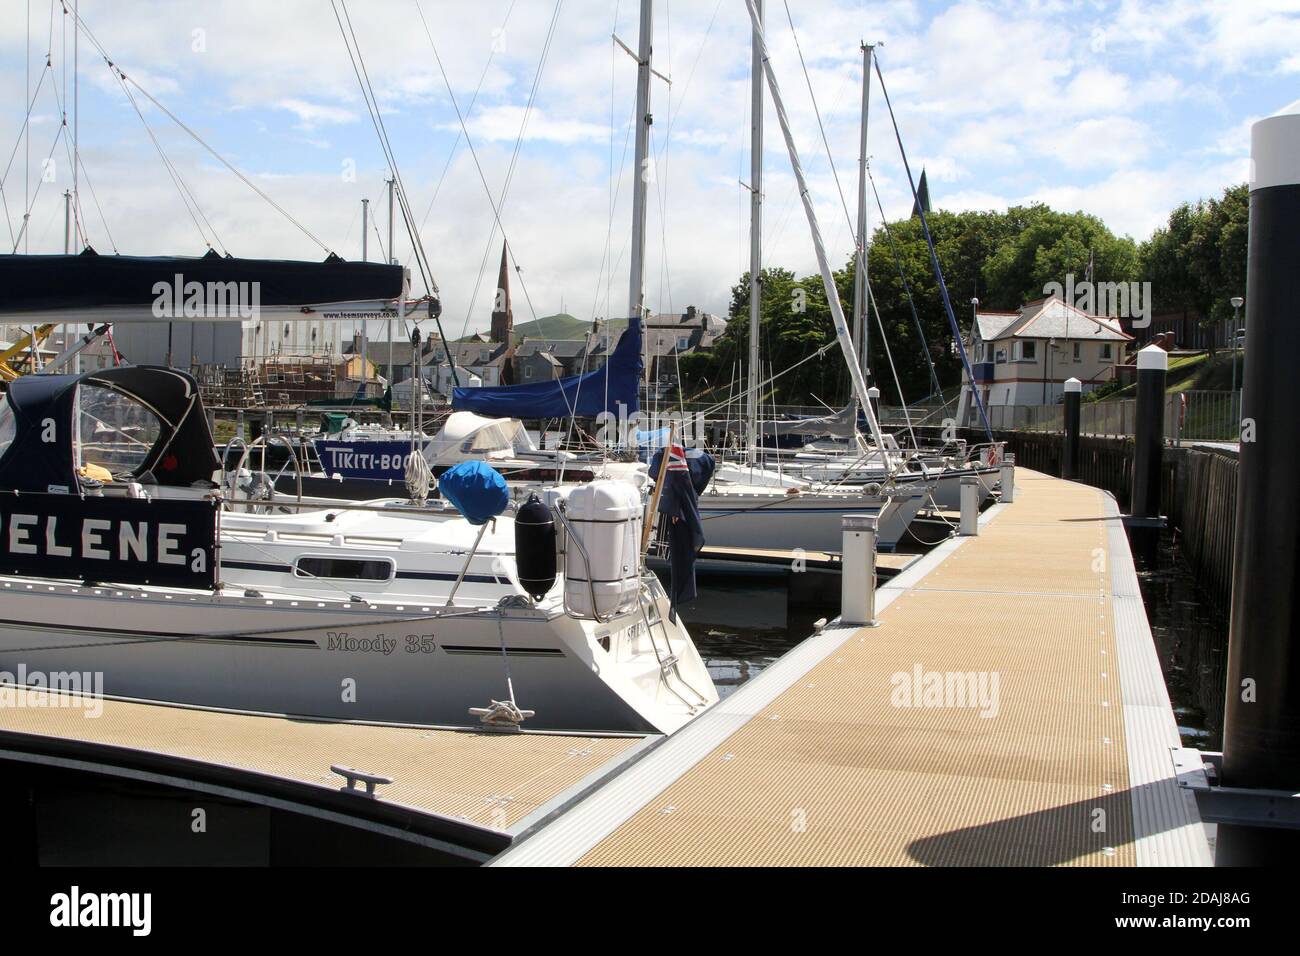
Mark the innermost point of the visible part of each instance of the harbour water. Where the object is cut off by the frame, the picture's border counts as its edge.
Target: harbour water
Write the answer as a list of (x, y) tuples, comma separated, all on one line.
[(742, 625), (1191, 637)]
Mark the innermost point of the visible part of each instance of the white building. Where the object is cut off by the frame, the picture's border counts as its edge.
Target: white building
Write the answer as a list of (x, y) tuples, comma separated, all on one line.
[(1024, 357)]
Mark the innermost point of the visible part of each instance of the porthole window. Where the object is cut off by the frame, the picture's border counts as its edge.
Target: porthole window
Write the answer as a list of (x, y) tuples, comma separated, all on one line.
[(344, 569)]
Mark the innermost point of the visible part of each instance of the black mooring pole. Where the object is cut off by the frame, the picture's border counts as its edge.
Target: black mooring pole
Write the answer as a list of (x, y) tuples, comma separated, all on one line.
[(1070, 453), (1152, 364), (1261, 726)]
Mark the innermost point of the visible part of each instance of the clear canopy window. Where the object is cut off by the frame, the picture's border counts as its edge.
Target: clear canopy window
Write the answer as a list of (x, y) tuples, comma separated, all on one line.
[(8, 427), (113, 431)]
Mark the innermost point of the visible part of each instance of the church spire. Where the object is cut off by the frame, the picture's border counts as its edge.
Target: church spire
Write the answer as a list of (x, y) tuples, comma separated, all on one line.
[(503, 319)]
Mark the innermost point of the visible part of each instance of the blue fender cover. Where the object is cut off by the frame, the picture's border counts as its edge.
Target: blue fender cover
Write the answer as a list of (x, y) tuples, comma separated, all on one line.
[(476, 489)]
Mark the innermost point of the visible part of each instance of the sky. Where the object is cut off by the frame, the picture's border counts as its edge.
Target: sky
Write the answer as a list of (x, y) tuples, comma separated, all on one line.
[(1119, 108)]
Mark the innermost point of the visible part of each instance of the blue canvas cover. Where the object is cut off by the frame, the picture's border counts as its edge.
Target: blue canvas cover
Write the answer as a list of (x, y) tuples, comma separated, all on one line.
[(42, 409), (32, 283), (476, 489), (613, 388)]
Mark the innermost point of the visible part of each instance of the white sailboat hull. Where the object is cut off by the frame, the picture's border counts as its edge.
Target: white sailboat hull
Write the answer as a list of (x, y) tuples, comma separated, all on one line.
[(387, 663), (812, 522)]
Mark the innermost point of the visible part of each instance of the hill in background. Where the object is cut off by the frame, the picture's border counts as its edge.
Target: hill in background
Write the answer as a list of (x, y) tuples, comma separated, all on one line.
[(562, 326)]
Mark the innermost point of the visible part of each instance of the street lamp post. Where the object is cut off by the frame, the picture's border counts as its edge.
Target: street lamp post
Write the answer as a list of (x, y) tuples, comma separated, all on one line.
[(1237, 302), (974, 331)]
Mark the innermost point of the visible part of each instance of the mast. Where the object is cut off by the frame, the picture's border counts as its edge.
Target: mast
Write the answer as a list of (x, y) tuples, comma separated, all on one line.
[(828, 279), (392, 260), (755, 235), (636, 278), (365, 257), (365, 230), (861, 301), (76, 121)]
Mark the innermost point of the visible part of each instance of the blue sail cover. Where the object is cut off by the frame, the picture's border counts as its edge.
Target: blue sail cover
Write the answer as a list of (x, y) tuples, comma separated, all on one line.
[(582, 396)]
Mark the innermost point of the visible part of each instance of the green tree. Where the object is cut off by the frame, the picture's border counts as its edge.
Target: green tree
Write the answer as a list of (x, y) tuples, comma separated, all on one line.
[(1196, 262), (1047, 246), (1004, 259)]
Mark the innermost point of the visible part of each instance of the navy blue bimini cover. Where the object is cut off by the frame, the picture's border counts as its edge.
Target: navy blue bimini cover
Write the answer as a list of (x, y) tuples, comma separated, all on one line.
[(42, 454), (476, 489), (582, 396)]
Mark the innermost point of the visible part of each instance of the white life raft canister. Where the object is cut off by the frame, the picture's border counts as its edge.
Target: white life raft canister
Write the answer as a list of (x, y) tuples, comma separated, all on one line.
[(606, 516)]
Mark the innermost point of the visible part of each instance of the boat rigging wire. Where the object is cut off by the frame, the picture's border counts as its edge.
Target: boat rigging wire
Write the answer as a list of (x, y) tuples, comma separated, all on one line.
[(934, 260), (451, 154), (187, 196), (124, 79), (75, 160), (24, 135), (497, 206), (399, 188), (907, 288), (359, 68), (27, 218), (818, 113)]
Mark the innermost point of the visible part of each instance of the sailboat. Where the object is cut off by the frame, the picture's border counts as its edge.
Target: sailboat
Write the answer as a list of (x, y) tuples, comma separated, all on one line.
[(126, 550), (121, 556), (750, 506), (881, 467)]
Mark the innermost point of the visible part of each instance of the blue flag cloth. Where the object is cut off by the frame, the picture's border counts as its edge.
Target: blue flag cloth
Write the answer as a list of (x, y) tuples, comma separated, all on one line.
[(681, 524)]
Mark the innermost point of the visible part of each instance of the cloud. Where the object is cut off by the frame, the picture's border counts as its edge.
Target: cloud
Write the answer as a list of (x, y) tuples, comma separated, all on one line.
[(1004, 102), (503, 123), (1104, 142), (312, 115)]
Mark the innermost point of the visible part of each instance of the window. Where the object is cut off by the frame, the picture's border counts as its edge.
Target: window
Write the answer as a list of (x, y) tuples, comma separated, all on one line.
[(1105, 352), (1027, 349), (683, 343), (528, 371), (1078, 351), (8, 428), (349, 569), (1001, 357), (113, 431)]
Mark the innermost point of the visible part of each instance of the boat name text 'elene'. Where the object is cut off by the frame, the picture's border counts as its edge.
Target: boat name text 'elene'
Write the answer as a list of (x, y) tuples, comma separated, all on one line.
[(97, 539)]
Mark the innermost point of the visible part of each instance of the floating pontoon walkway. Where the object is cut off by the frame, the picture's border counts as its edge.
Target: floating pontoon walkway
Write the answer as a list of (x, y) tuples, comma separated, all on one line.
[(464, 793), (822, 761)]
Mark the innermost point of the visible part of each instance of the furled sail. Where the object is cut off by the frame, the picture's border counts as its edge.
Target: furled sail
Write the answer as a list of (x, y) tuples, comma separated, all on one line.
[(841, 424), (37, 288)]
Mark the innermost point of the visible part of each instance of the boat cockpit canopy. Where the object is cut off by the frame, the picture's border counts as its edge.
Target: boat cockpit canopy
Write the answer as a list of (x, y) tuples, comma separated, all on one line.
[(135, 423)]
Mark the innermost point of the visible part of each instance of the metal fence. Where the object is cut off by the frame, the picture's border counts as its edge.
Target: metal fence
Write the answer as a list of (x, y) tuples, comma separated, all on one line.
[(1194, 415)]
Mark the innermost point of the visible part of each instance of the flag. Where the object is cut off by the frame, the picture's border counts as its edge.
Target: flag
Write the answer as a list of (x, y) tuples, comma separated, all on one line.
[(680, 524), (922, 201)]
